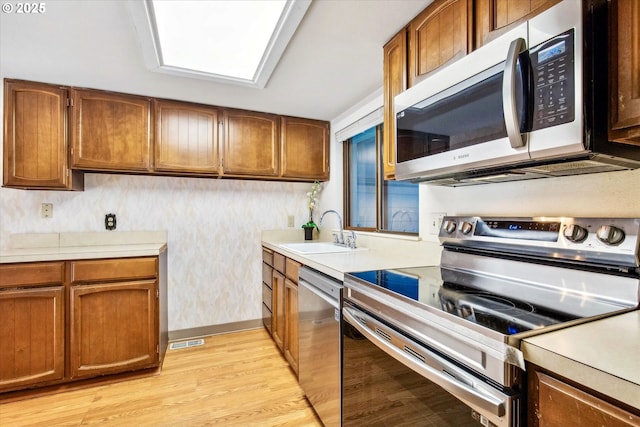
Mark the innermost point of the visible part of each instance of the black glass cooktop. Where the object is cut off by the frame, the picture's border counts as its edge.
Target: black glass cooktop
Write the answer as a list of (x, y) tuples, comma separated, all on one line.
[(507, 315)]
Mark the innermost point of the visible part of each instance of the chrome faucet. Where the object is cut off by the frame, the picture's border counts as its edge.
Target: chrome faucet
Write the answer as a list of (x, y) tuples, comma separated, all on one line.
[(339, 239)]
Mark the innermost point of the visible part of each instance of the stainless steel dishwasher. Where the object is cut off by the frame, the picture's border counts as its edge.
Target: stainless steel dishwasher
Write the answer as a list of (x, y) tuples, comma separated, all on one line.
[(320, 335)]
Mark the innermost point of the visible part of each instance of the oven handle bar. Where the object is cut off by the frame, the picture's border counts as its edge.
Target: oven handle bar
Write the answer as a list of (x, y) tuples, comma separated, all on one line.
[(433, 368)]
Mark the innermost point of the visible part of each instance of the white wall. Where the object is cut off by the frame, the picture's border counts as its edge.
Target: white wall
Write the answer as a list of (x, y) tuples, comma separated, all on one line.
[(611, 194), (213, 227)]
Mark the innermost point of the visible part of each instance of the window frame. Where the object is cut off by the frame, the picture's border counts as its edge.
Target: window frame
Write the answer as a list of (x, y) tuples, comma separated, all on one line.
[(380, 212)]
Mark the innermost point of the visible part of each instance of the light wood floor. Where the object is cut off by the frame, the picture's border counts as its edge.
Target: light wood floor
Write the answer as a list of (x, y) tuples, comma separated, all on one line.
[(237, 379)]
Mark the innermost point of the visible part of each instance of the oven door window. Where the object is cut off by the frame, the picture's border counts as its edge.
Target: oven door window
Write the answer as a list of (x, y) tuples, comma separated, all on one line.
[(389, 379), (377, 390)]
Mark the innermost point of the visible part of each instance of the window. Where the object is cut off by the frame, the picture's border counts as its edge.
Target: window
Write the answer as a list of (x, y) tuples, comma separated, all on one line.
[(371, 203), (228, 41)]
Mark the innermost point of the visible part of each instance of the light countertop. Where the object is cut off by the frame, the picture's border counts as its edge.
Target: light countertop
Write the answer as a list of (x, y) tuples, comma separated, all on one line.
[(378, 253), (603, 355), (92, 245)]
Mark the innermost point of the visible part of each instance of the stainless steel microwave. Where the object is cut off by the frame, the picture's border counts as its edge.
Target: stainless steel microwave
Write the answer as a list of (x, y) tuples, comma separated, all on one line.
[(532, 103)]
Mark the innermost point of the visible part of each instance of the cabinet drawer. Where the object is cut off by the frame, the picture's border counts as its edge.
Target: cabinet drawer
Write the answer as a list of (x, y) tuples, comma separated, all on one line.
[(267, 256), (291, 270), (31, 274), (267, 296), (267, 318), (114, 269), (278, 262), (267, 274)]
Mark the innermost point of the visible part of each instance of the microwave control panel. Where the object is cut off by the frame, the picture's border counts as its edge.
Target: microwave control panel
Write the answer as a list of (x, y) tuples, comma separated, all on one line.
[(553, 64)]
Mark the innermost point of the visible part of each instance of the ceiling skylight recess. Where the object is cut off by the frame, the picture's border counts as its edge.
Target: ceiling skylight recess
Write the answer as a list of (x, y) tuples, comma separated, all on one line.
[(229, 41)]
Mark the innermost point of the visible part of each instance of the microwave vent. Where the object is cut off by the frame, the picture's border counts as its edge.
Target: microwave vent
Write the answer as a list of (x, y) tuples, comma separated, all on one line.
[(574, 168)]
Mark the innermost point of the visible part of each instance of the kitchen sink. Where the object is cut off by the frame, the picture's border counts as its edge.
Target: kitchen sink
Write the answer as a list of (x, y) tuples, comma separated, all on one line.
[(317, 248)]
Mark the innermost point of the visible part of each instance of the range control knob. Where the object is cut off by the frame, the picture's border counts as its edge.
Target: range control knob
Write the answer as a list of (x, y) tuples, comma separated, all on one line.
[(449, 226), (575, 233), (610, 235), (466, 227)]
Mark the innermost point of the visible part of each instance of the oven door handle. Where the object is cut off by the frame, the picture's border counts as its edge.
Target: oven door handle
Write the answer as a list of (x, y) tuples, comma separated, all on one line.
[(437, 370)]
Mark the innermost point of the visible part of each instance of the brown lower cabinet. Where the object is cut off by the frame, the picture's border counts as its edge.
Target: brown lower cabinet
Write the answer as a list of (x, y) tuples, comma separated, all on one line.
[(556, 403), (64, 321), (113, 328), (32, 336), (284, 305), (267, 289)]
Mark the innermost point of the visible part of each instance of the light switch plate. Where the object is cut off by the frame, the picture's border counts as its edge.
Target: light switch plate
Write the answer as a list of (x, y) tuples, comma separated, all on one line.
[(434, 222)]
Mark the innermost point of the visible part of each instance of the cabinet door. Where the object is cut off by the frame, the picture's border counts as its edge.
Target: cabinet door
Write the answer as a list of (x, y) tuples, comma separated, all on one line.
[(291, 346), (278, 309), (31, 337), (492, 17), (250, 144), (438, 35), (113, 327), (395, 82), (625, 71), (110, 131), (557, 404), (35, 137), (305, 149), (186, 138)]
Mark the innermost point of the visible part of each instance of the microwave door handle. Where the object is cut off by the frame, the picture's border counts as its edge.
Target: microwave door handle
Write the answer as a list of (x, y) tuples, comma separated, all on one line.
[(516, 139)]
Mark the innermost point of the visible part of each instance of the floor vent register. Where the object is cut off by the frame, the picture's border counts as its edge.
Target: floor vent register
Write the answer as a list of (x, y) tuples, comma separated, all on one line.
[(186, 344)]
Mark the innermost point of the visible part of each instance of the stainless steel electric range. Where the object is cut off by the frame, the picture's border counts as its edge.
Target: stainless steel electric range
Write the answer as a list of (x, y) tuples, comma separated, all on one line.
[(459, 325)]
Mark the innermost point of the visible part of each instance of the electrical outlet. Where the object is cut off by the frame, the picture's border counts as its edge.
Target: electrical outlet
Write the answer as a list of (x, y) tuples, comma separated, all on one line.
[(47, 210), (110, 221), (435, 222), (290, 221)]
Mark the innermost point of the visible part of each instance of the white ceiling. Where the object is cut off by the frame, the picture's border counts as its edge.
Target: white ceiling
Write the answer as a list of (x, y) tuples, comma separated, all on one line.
[(333, 61)]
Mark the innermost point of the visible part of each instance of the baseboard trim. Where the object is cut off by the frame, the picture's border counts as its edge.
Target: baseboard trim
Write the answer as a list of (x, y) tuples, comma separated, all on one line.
[(205, 331)]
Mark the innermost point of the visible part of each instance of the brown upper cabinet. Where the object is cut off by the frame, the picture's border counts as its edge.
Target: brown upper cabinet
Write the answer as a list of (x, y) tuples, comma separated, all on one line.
[(35, 137), (110, 131), (251, 143), (493, 17), (439, 34), (395, 82), (304, 149), (115, 132), (186, 138), (624, 71)]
